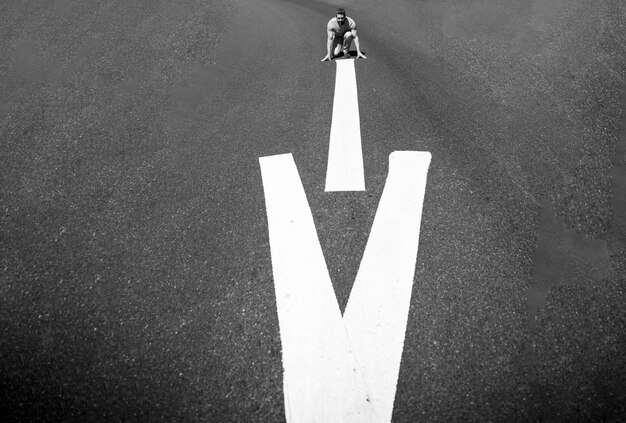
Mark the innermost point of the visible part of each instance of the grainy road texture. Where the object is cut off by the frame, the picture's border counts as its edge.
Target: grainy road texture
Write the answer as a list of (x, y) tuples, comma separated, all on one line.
[(135, 275)]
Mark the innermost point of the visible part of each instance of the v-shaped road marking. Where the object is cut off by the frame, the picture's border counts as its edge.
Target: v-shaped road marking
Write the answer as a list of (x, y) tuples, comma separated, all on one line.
[(343, 369)]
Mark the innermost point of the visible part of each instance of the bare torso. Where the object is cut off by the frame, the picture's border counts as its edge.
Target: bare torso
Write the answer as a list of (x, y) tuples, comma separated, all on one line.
[(340, 29)]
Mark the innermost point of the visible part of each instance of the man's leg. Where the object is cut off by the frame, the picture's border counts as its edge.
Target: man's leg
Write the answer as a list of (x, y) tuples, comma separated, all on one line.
[(347, 42), (337, 46)]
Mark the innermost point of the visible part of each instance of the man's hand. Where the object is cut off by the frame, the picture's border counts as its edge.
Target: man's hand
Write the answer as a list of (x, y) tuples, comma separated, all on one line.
[(326, 58), (361, 55)]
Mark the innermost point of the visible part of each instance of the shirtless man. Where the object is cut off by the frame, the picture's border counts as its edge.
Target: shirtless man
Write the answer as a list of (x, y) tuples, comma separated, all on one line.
[(341, 31)]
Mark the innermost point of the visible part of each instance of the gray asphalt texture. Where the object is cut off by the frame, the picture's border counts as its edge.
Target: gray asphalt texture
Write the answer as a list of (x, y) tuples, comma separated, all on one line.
[(135, 273)]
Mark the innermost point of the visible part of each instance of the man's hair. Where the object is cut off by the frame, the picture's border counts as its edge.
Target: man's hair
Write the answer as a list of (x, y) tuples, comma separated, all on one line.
[(340, 12)]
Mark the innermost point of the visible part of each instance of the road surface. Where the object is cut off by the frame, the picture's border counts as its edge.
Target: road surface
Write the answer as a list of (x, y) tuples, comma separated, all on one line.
[(136, 278)]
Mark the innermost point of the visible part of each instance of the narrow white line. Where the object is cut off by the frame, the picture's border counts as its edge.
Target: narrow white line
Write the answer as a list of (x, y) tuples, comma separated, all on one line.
[(345, 157), (321, 382), (377, 310)]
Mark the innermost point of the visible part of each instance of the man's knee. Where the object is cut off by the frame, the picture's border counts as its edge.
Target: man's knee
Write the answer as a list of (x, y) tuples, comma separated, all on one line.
[(347, 40)]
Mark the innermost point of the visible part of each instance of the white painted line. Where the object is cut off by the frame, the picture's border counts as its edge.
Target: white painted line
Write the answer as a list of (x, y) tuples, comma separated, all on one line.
[(345, 157), (378, 307), (320, 381), (336, 369)]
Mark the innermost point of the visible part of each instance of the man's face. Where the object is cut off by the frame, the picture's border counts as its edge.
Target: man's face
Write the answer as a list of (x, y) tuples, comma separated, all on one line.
[(341, 19)]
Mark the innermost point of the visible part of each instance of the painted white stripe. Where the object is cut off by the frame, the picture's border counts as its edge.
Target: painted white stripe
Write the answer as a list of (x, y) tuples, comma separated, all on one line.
[(320, 381), (378, 307), (343, 369), (345, 157)]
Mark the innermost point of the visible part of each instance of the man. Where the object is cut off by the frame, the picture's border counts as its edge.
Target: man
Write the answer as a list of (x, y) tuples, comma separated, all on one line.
[(341, 31)]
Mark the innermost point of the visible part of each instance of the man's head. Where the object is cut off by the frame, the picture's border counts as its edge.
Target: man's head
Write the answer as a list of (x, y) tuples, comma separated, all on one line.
[(340, 14)]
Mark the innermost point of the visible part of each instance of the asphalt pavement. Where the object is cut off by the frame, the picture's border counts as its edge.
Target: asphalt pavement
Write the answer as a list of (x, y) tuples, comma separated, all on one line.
[(135, 273)]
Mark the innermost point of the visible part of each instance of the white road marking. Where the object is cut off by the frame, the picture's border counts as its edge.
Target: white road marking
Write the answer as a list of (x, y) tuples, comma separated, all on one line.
[(335, 369), (378, 307), (320, 381), (345, 157)]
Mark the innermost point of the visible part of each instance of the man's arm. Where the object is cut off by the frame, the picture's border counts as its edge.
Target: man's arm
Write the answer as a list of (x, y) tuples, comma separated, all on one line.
[(355, 37), (329, 44)]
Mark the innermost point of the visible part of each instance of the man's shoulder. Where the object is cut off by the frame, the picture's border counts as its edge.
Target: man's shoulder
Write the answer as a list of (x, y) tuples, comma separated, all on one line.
[(351, 22), (332, 22)]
